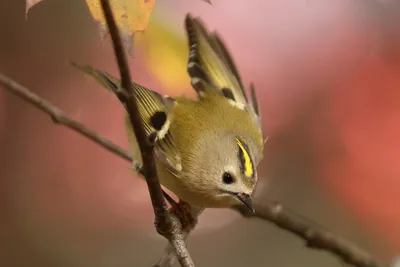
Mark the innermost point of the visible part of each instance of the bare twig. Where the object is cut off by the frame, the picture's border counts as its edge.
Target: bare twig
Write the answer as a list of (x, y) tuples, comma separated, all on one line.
[(168, 258), (58, 116), (315, 238), (167, 224)]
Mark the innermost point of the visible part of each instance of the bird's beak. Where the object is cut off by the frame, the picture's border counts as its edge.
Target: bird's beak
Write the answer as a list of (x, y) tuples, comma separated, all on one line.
[(246, 200)]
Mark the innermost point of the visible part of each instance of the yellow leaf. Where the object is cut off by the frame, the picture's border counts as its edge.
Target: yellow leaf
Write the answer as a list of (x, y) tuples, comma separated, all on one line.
[(131, 15)]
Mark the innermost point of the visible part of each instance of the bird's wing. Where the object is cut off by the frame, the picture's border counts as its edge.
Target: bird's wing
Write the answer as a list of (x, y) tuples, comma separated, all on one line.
[(155, 112), (211, 66)]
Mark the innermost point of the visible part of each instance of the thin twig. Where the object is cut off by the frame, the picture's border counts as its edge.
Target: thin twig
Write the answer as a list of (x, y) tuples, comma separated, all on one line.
[(59, 117), (314, 238), (166, 224), (168, 258)]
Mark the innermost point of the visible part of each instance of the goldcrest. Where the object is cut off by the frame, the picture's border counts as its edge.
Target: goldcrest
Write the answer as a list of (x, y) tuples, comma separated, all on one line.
[(207, 149)]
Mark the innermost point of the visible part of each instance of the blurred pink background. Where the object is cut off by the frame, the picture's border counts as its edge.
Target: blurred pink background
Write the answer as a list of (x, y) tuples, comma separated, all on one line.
[(327, 76)]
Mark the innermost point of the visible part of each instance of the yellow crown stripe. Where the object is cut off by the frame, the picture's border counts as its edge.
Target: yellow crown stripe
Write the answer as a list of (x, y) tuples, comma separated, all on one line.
[(248, 165)]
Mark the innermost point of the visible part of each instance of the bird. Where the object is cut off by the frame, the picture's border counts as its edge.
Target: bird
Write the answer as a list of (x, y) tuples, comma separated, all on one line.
[(207, 148)]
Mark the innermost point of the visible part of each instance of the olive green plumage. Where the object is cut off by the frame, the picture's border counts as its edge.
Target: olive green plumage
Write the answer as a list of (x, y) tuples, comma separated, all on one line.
[(207, 149)]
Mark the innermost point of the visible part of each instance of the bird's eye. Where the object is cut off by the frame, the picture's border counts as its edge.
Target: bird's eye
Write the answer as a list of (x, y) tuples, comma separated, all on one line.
[(227, 178)]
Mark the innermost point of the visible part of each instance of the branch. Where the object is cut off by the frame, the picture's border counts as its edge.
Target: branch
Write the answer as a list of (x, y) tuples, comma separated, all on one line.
[(59, 117), (321, 239), (167, 224), (168, 257), (314, 238)]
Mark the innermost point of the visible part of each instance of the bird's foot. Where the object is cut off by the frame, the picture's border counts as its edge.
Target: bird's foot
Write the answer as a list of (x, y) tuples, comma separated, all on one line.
[(183, 211)]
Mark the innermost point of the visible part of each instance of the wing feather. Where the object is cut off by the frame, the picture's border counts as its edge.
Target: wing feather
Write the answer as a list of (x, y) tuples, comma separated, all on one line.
[(211, 62), (154, 110), (211, 66)]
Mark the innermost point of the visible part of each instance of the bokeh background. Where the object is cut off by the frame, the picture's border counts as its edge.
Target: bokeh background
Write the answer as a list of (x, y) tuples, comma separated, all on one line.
[(327, 74)]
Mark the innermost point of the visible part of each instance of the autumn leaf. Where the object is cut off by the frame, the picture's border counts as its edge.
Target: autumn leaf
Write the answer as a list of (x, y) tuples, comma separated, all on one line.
[(131, 16)]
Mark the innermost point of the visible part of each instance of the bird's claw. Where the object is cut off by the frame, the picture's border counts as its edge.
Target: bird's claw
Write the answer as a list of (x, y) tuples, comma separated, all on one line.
[(184, 212)]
